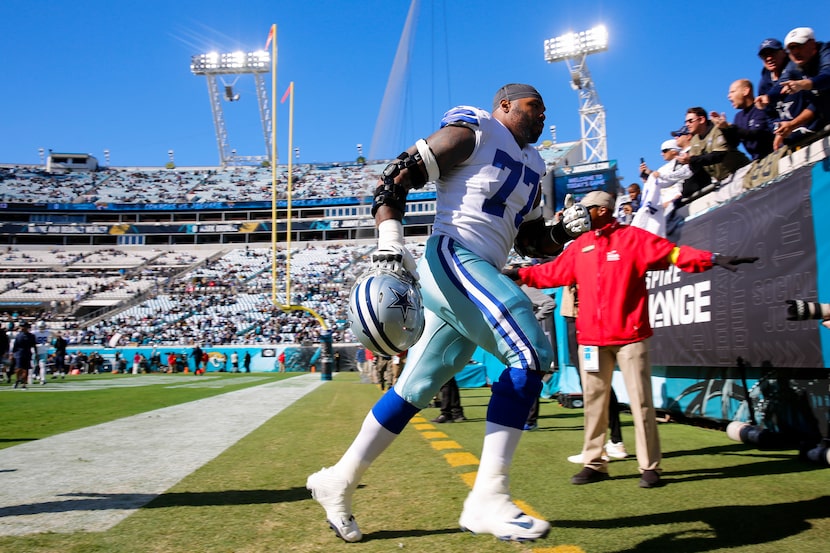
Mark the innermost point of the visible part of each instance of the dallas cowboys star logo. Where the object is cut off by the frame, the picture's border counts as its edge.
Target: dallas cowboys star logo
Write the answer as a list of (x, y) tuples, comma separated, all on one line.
[(401, 302)]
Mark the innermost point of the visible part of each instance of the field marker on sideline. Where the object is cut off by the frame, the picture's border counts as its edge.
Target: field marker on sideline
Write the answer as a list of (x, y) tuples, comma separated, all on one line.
[(92, 478)]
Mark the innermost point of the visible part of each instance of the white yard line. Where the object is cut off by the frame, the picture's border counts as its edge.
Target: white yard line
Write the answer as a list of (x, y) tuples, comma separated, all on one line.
[(91, 479)]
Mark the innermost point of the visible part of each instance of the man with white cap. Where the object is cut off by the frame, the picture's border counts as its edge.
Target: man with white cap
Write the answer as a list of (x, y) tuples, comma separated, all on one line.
[(652, 216), (807, 72), (609, 264)]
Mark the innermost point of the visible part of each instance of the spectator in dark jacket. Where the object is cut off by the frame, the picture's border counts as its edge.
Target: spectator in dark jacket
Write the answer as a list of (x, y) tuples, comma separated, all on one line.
[(807, 72), (751, 127)]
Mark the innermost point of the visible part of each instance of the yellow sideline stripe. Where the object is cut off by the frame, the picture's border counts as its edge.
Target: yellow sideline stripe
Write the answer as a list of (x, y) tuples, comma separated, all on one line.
[(444, 444), (440, 442), (461, 459)]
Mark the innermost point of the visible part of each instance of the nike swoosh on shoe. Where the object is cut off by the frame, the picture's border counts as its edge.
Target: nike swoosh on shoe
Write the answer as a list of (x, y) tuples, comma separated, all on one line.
[(526, 524)]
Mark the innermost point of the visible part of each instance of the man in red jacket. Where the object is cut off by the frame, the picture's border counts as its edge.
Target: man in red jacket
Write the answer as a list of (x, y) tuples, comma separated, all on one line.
[(609, 264)]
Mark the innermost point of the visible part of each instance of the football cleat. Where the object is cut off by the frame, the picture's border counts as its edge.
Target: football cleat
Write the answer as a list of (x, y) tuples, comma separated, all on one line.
[(502, 518), (335, 496)]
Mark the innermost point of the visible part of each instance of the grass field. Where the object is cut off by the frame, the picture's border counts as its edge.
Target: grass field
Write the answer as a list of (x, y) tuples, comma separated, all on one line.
[(720, 495)]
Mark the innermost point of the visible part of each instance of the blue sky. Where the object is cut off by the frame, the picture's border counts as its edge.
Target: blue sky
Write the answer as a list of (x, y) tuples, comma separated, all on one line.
[(88, 75)]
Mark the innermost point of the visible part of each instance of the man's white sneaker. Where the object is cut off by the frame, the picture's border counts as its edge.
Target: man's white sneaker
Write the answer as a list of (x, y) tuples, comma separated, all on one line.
[(580, 459), (502, 518), (335, 496), (616, 450)]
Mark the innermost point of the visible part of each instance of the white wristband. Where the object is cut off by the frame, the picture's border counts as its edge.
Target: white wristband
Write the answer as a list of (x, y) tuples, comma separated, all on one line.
[(390, 234)]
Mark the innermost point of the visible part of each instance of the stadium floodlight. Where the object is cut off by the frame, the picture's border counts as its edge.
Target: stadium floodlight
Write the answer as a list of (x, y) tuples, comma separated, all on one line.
[(573, 48), (213, 64), (572, 45), (232, 63)]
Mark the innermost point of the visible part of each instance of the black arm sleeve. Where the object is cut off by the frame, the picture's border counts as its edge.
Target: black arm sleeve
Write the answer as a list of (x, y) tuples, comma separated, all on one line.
[(558, 234), (732, 135), (528, 240), (536, 239), (704, 160)]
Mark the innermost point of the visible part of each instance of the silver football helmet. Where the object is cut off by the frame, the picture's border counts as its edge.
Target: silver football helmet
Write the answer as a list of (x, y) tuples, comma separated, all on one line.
[(385, 311)]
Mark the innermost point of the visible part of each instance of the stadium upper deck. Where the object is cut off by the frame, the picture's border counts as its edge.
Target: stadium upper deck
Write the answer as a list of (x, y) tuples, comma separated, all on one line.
[(80, 273), (208, 205), (204, 205), (153, 206)]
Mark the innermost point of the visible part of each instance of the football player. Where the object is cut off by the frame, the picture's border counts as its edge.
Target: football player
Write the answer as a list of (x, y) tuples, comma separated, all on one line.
[(488, 178)]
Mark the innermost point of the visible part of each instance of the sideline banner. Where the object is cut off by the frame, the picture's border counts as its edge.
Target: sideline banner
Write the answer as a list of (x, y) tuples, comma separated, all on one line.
[(712, 318)]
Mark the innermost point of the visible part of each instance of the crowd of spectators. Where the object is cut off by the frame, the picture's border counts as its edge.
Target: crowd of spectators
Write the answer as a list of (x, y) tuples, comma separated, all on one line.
[(179, 186), (791, 110), (227, 299), (792, 106), (63, 279), (69, 290), (35, 185), (192, 297)]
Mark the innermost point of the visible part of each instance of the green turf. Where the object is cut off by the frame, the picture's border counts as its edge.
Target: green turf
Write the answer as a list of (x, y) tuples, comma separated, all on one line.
[(721, 495), (38, 413)]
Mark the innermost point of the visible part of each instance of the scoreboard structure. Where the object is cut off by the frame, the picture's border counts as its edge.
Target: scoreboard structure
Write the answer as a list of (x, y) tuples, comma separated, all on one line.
[(583, 178)]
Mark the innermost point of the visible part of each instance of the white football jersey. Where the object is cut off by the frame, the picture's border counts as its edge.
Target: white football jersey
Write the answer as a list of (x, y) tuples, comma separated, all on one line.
[(482, 201), (42, 339)]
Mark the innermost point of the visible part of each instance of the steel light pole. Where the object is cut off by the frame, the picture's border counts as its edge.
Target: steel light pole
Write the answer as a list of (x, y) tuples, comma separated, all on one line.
[(213, 65), (573, 49)]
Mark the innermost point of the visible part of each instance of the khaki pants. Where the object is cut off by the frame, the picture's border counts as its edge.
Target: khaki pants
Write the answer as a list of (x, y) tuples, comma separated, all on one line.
[(382, 365), (596, 388)]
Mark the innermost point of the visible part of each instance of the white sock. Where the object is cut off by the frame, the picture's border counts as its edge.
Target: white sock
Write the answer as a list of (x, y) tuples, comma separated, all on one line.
[(370, 442), (500, 443)]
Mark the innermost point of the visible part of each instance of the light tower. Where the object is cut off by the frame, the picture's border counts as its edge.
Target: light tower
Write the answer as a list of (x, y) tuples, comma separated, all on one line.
[(573, 48), (236, 63)]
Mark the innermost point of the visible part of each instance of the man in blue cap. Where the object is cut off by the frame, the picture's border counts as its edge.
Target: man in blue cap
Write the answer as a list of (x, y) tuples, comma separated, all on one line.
[(807, 76), (772, 53)]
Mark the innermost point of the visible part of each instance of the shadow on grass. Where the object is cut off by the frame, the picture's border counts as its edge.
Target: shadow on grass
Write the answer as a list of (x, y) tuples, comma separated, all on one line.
[(80, 502), (397, 534), (563, 415), (729, 525), (229, 497), (565, 428), (93, 501), (470, 404), (730, 447), (787, 465)]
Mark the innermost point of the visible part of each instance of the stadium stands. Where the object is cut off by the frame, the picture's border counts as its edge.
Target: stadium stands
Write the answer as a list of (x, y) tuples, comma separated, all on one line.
[(202, 185), (34, 185), (207, 296), (212, 293)]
